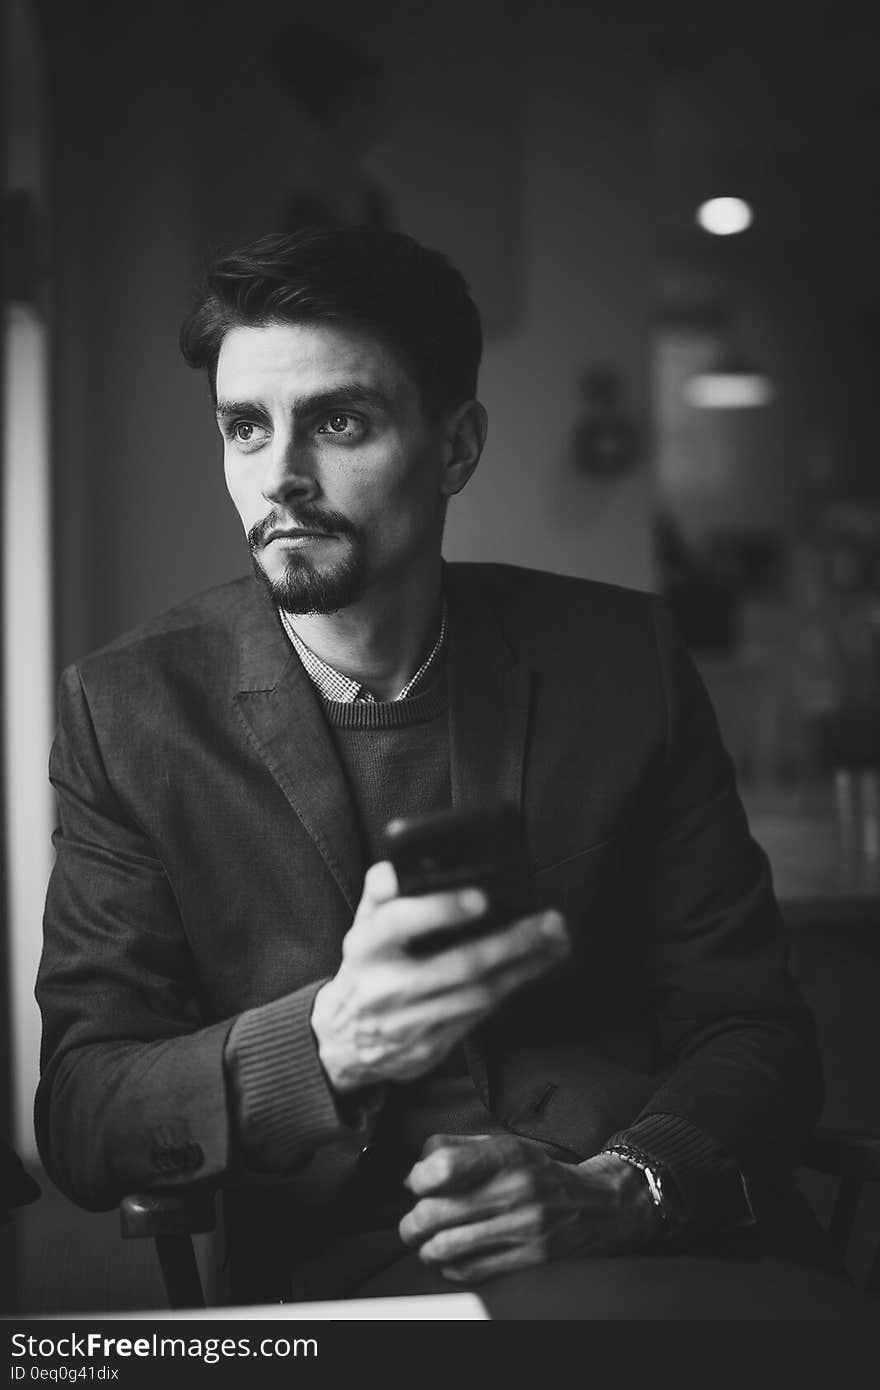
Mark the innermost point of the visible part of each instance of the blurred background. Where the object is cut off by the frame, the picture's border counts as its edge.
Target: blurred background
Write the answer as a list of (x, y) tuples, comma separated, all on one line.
[(669, 217)]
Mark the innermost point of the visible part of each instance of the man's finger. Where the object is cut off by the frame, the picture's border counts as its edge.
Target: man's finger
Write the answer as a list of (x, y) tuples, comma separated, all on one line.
[(459, 993), (541, 938), (456, 1168), (380, 884), (406, 919), (440, 1141), (433, 1214), (505, 1231)]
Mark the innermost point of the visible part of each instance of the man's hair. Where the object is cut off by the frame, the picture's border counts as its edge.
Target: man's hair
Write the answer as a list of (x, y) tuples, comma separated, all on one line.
[(411, 298)]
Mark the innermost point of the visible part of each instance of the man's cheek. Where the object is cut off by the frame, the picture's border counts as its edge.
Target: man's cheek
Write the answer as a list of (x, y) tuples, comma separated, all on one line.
[(239, 500)]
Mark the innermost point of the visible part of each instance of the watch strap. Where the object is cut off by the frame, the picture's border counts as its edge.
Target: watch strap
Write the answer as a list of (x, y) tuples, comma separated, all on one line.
[(658, 1181)]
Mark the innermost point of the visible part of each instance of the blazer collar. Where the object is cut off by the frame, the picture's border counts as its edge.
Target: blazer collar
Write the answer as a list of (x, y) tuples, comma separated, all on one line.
[(489, 698)]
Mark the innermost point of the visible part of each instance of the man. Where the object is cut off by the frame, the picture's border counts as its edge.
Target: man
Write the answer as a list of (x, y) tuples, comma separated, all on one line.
[(227, 988)]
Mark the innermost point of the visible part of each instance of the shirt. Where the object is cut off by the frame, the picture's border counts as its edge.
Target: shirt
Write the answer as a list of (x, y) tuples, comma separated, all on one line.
[(333, 685)]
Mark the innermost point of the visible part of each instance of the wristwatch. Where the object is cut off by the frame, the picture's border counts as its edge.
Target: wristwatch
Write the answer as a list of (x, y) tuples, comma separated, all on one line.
[(654, 1177), (731, 1206)]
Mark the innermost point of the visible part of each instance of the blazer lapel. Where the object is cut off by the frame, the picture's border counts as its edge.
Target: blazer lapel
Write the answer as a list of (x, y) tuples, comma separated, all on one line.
[(489, 694), (281, 710), (489, 697)]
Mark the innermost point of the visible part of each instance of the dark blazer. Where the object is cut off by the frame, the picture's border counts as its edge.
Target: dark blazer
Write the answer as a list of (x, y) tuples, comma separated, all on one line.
[(209, 861)]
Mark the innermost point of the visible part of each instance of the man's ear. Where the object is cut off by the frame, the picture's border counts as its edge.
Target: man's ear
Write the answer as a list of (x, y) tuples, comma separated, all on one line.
[(465, 435)]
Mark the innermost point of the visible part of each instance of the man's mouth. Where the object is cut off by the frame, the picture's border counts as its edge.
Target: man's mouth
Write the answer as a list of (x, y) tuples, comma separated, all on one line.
[(296, 533)]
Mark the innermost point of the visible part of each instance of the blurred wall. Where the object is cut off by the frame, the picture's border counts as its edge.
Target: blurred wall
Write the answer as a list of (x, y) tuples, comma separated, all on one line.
[(589, 253), (140, 513), (523, 153)]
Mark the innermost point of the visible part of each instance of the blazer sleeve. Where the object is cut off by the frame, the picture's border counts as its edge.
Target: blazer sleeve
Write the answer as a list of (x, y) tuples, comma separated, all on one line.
[(133, 1092), (743, 1084)]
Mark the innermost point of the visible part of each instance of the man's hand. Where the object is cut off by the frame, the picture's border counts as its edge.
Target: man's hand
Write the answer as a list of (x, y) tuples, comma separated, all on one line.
[(389, 1016), (492, 1204)]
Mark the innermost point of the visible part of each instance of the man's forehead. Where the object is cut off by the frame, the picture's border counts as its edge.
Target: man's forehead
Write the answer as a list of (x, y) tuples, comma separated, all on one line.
[(302, 359)]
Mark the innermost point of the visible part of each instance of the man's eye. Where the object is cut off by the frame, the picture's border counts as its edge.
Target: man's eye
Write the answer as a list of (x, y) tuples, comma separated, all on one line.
[(347, 426), (246, 432)]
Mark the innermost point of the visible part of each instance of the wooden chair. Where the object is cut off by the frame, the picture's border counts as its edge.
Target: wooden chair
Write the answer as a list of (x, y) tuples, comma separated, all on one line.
[(172, 1219), (854, 1160)]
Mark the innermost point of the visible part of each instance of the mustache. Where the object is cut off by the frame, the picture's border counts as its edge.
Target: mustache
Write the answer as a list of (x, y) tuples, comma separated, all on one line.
[(308, 518)]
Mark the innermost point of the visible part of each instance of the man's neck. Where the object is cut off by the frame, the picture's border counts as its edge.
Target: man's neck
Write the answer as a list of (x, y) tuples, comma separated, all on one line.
[(381, 640)]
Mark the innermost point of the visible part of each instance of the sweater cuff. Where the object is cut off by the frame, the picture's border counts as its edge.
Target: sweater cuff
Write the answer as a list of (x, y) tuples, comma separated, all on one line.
[(282, 1103), (709, 1190)]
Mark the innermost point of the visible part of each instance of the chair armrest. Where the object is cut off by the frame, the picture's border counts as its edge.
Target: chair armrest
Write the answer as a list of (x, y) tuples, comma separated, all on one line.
[(845, 1153), (167, 1213)]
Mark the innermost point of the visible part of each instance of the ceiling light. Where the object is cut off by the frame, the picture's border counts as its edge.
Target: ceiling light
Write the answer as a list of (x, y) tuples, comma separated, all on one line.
[(725, 216), (729, 389)]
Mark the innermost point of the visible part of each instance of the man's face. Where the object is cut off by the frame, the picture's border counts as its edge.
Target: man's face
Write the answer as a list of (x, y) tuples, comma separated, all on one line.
[(330, 460)]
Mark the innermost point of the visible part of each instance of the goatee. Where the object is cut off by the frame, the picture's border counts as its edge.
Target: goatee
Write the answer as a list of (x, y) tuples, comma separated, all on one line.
[(304, 587)]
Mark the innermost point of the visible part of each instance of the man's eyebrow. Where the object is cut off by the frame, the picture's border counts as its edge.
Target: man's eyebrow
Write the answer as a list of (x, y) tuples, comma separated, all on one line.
[(346, 394), (228, 410)]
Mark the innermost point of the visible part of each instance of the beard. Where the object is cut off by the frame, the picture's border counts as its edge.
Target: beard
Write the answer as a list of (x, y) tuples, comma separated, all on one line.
[(306, 586)]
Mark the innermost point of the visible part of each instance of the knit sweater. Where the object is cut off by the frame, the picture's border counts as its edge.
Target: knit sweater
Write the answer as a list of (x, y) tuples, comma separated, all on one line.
[(396, 757)]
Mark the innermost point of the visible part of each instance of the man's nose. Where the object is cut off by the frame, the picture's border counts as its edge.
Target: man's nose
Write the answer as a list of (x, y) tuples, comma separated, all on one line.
[(290, 472)]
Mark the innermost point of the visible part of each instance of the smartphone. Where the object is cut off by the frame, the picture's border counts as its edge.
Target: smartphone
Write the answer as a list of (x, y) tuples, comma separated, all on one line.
[(478, 848)]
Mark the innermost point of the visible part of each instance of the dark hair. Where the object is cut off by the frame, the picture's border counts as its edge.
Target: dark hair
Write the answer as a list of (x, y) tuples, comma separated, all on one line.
[(413, 299)]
